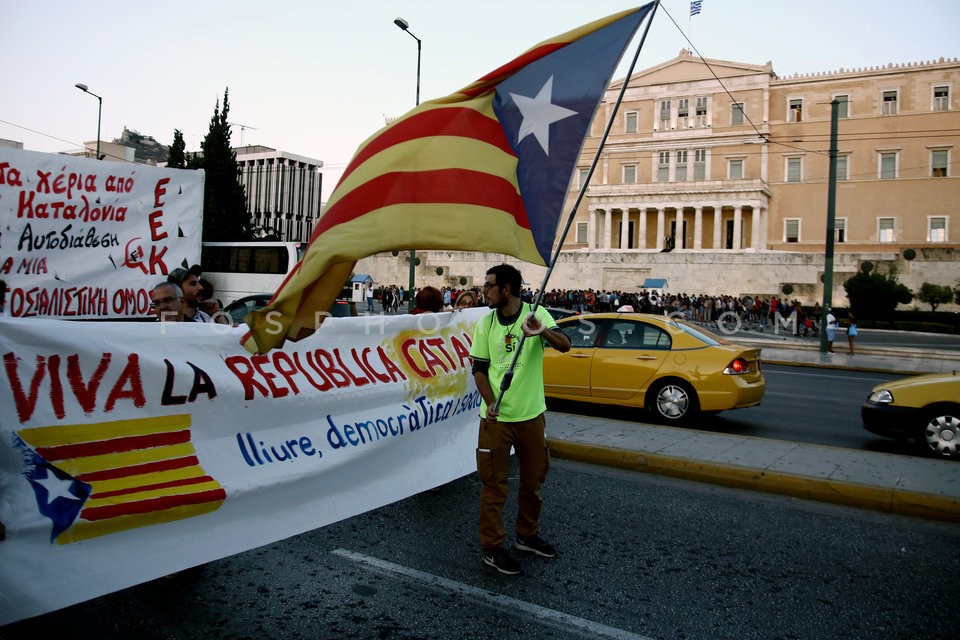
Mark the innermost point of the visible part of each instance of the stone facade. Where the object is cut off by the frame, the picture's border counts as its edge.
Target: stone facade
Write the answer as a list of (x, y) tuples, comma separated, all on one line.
[(743, 163), (721, 187), (700, 272)]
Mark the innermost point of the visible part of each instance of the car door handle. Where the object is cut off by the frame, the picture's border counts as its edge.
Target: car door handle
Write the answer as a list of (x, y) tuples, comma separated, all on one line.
[(579, 355), (646, 357)]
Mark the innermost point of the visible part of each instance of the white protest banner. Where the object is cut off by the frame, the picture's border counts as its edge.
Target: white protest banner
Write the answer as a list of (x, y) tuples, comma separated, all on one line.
[(83, 238), (132, 450)]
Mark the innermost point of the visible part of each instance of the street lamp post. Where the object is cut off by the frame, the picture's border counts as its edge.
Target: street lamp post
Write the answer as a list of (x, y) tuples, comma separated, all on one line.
[(405, 26), (825, 310), (84, 88)]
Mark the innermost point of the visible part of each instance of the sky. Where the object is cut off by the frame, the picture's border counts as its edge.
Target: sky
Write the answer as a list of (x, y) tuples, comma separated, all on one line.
[(317, 77)]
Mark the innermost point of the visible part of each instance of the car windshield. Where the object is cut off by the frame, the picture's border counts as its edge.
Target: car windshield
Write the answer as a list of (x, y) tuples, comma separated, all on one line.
[(701, 334)]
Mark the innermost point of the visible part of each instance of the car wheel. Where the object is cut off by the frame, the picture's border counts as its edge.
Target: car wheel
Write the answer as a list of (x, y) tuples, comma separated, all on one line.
[(941, 433), (673, 401)]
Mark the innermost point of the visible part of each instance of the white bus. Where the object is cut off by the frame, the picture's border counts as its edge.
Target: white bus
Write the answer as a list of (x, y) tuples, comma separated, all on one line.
[(240, 269)]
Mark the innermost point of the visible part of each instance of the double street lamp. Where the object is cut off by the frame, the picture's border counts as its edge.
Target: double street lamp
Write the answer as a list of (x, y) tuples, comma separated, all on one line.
[(405, 26), (84, 88)]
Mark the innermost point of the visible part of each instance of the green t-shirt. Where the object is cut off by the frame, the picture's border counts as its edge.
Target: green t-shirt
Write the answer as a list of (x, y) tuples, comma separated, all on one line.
[(495, 343)]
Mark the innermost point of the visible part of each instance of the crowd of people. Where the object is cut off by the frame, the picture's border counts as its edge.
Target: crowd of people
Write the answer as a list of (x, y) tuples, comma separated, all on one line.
[(757, 313)]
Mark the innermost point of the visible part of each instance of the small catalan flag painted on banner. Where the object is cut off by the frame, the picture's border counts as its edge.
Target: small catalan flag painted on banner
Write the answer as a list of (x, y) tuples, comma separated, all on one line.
[(96, 479)]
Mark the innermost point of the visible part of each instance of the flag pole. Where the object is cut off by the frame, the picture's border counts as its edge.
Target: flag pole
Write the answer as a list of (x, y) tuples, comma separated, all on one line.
[(508, 376)]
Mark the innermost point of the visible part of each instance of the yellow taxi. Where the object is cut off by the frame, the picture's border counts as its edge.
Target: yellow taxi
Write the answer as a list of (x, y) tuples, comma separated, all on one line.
[(665, 365), (923, 409)]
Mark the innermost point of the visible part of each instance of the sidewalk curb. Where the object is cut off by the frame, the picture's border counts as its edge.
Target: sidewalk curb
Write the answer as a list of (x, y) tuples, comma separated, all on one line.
[(843, 367), (897, 501)]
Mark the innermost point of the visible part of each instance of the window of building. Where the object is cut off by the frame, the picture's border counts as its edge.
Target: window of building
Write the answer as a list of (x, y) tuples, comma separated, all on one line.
[(664, 115), (885, 229), (889, 107), (699, 164), (794, 169), (582, 232), (683, 113), (842, 166), (843, 109), (663, 166), (736, 113), (840, 230), (795, 110), (791, 230), (888, 165), (629, 174), (702, 111), (581, 179), (937, 229), (939, 161), (735, 169), (631, 122), (681, 174), (941, 98)]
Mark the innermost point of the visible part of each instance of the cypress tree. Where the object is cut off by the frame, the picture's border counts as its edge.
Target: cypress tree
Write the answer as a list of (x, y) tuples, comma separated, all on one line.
[(225, 217), (177, 157)]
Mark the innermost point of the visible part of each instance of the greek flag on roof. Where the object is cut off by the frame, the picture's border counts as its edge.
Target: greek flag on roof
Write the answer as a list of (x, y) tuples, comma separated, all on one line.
[(695, 7)]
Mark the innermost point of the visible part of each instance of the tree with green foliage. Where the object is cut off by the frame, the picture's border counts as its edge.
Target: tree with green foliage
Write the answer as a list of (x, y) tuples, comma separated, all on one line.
[(956, 293), (875, 295), (934, 294), (225, 217), (177, 157)]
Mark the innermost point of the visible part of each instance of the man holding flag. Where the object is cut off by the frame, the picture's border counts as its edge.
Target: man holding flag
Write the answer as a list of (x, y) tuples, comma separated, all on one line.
[(500, 152), (517, 421)]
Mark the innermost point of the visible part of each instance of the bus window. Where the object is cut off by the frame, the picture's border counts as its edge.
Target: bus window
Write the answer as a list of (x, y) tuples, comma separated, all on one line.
[(239, 269)]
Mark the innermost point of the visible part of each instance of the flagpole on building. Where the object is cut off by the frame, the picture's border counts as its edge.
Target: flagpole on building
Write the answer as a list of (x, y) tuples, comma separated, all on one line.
[(508, 376)]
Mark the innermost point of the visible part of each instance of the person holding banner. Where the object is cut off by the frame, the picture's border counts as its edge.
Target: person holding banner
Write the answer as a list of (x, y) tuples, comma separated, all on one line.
[(428, 300), (518, 421), (189, 282), (166, 300), (466, 300)]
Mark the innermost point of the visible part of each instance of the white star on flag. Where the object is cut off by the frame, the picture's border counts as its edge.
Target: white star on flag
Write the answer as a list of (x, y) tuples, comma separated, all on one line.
[(56, 488), (538, 114)]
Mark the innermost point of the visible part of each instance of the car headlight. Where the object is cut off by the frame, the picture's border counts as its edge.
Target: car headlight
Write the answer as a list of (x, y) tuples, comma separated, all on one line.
[(880, 397)]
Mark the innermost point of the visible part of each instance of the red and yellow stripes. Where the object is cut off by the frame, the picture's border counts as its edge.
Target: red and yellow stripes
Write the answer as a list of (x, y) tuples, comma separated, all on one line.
[(141, 472)]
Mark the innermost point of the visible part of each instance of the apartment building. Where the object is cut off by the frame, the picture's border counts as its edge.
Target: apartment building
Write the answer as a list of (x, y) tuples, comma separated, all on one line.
[(283, 190)]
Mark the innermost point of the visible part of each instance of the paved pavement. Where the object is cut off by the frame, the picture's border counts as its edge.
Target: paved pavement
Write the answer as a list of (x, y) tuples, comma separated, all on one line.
[(905, 485)]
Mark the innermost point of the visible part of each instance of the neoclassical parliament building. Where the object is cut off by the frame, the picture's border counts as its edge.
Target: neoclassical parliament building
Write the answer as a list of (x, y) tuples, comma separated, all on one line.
[(715, 178)]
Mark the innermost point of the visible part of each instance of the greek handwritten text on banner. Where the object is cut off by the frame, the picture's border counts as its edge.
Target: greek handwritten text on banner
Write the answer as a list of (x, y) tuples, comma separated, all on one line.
[(130, 450), (83, 238)]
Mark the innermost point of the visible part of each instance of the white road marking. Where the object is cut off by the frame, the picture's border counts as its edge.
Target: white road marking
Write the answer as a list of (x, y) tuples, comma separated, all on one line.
[(527, 609)]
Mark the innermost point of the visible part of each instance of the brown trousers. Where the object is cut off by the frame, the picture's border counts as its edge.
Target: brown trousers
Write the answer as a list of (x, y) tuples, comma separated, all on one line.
[(493, 467)]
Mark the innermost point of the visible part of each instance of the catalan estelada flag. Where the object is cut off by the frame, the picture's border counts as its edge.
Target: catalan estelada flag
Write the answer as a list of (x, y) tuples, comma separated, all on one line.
[(95, 479), (484, 169)]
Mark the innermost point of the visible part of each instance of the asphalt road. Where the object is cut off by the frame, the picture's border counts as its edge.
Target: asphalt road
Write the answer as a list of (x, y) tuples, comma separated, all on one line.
[(801, 404), (641, 556)]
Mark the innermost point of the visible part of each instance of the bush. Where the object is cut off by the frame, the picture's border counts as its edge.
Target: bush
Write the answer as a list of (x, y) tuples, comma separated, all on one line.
[(934, 294), (926, 321), (874, 296)]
